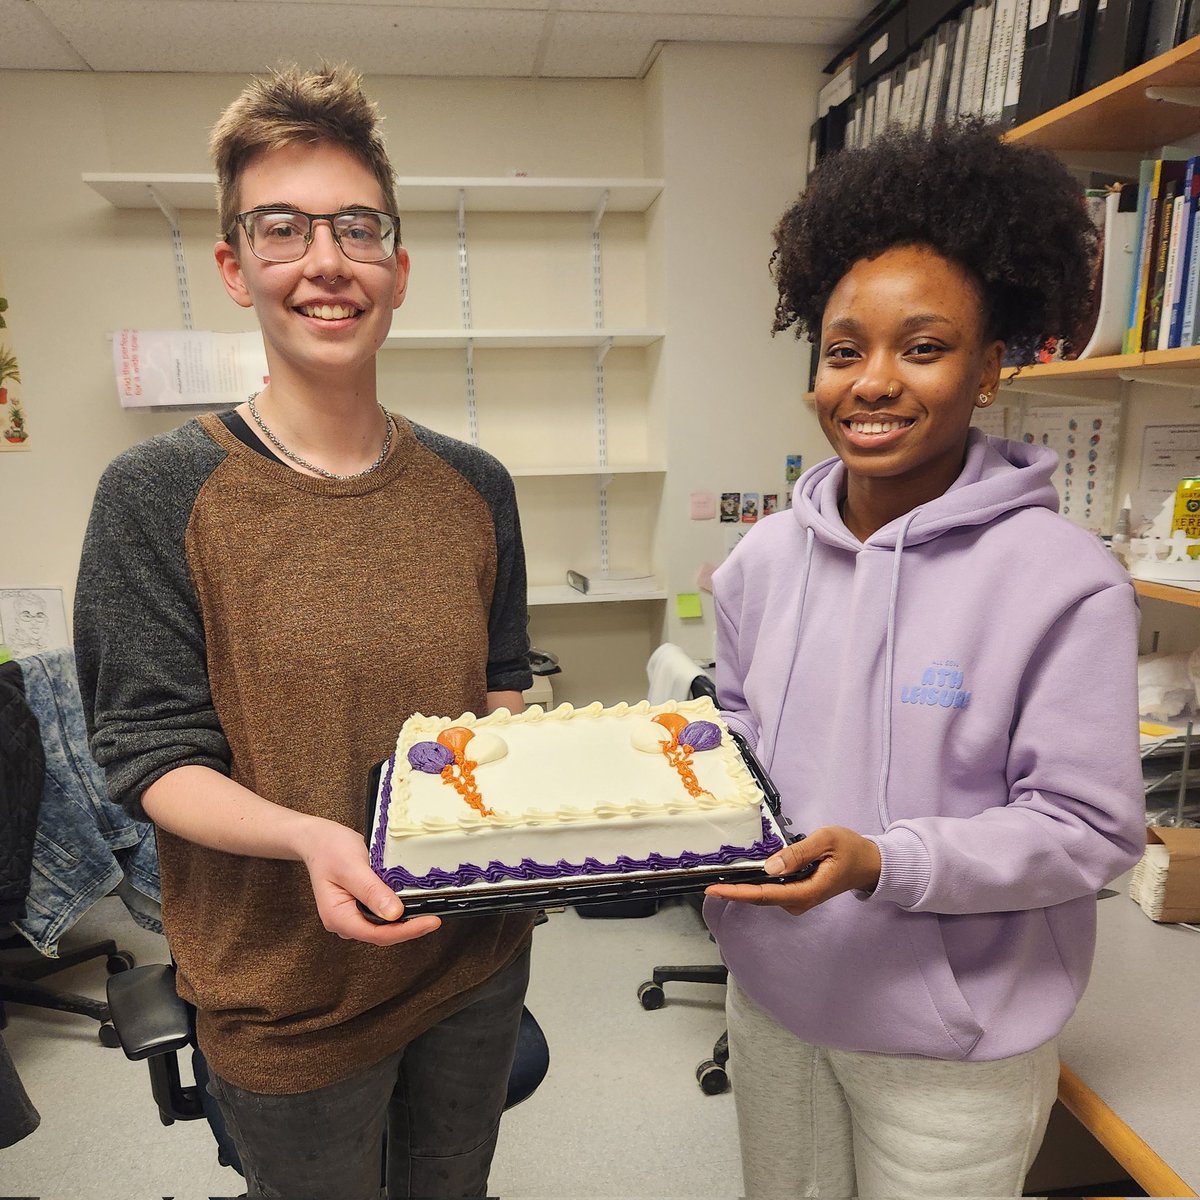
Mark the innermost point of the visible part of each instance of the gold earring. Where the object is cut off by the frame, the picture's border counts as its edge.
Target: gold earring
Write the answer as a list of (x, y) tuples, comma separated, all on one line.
[(984, 400)]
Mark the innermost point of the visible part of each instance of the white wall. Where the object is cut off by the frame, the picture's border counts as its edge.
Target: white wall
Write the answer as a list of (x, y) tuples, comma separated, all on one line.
[(726, 126), (729, 130)]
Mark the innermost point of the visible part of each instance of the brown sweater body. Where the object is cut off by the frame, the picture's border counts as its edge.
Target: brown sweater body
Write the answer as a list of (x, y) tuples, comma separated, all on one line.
[(329, 611)]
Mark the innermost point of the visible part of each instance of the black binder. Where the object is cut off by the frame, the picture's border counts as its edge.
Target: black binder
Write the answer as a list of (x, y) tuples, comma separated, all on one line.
[(1069, 33), (1037, 55), (1118, 36), (1165, 27)]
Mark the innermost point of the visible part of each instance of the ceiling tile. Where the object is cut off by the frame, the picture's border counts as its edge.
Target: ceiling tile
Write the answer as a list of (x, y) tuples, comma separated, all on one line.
[(31, 43), (572, 47), (182, 35)]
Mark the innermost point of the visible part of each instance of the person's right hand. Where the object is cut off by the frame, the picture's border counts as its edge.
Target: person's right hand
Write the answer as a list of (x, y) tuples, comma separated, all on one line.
[(340, 873)]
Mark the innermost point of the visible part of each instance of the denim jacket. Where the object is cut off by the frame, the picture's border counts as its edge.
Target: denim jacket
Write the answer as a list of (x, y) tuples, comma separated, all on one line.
[(85, 846)]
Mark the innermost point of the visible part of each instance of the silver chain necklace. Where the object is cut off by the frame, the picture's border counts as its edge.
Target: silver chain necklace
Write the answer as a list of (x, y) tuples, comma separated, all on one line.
[(270, 436)]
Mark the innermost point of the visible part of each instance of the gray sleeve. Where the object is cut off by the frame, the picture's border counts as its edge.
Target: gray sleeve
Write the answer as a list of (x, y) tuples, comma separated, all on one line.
[(139, 633), (508, 620)]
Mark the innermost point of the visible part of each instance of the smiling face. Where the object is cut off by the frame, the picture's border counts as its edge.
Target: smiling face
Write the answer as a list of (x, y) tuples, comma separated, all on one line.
[(325, 316), (908, 322)]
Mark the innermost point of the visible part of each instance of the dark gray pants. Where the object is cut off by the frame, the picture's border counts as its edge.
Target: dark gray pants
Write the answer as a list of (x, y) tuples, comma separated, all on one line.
[(439, 1101)]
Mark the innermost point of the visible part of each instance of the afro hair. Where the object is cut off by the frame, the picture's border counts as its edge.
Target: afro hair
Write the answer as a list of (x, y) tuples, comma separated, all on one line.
[(1011, 215)]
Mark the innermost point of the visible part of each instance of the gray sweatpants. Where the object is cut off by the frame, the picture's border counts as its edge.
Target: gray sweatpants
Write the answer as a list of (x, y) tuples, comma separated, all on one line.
[(826, 1123)]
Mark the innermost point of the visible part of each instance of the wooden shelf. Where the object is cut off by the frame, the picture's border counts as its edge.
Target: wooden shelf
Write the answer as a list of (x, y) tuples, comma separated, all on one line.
[(1185, 597), (1118, 115), (517, 194), (547, 594), (517, 339), (1112, 366)]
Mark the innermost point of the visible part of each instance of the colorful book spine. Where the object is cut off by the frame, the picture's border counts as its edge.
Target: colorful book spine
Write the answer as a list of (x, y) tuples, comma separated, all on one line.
[(1154, 296), (1147, 189), (1187, 335), (1179, 290)]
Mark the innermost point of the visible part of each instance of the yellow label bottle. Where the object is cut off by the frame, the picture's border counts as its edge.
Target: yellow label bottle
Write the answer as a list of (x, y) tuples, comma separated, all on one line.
[(1187, 512)]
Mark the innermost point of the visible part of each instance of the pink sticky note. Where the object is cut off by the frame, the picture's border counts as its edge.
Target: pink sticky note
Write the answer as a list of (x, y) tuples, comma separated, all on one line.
[(704, 577), (702, 506)]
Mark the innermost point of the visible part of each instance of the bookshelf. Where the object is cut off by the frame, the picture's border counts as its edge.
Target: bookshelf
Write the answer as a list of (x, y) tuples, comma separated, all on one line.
[(1124, 115), (1118, 115)]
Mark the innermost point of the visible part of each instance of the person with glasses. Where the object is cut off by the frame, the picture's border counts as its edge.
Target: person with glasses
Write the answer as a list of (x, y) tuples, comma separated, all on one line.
[(265, 595)]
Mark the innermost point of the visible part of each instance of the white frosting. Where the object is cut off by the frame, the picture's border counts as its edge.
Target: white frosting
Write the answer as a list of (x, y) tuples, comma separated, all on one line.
[(569, 784)]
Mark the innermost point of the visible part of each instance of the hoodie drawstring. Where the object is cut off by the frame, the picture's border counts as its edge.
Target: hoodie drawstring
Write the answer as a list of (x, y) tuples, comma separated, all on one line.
[(769, 743), (885, 762)]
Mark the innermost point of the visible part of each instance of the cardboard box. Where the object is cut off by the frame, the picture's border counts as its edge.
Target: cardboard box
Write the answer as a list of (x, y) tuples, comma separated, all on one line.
[(1167, 885)]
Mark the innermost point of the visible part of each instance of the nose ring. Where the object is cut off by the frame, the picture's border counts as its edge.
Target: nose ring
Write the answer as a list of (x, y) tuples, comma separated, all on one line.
[(889, 391)]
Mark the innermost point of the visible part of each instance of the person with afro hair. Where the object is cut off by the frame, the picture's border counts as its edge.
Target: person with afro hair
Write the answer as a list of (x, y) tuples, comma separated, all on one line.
[(939, 674)]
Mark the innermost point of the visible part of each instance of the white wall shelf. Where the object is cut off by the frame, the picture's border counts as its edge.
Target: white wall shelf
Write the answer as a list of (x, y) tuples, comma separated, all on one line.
[(516, 194), (548, 594), (587, 469), (518, 339)]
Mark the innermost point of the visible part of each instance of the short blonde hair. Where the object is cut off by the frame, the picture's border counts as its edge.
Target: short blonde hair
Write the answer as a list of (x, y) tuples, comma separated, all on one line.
[(291, 106)]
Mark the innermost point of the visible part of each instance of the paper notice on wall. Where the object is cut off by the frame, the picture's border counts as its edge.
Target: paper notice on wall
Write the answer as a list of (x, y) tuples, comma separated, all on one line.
[(1086, 438), (187, 368)]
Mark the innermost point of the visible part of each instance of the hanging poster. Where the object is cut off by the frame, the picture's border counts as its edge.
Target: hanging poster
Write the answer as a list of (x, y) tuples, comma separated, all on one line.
[(182, 368), (14, 433)]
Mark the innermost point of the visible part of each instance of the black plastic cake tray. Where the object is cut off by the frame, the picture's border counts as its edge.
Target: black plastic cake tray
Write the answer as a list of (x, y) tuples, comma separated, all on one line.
[(479, 899)]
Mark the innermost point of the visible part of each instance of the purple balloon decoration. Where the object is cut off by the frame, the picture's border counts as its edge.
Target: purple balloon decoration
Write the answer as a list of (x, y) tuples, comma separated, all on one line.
[(700, 735), (430, 757)]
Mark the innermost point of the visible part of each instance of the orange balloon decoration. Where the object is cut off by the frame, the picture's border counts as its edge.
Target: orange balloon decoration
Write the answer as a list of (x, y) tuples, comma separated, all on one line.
[(673, 723), (455, 739)]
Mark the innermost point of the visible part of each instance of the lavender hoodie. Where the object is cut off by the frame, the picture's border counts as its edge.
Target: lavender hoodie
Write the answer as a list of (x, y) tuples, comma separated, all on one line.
[(961, 688)]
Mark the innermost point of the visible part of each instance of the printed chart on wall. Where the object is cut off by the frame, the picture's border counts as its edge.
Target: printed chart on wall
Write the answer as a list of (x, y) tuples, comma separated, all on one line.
[(14, 432), (1169, 453), (1086, 439), (32, 620)]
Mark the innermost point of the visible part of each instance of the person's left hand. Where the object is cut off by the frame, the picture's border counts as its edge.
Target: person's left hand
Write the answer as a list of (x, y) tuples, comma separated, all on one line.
[(846, 861)]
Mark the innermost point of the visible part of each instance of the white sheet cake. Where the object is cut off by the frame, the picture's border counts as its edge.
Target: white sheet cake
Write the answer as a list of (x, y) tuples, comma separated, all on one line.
[(572, 793)]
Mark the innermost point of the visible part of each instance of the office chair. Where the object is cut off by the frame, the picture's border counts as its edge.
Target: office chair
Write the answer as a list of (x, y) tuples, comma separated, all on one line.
[(153, 1024), (21, 965), (711, 1073)]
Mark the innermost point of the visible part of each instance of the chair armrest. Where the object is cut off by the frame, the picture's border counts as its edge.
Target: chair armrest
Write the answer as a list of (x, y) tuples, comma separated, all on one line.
[(147, 1013)]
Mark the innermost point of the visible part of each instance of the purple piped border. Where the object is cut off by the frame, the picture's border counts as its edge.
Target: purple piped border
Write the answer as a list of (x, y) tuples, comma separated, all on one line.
[(530, 871)]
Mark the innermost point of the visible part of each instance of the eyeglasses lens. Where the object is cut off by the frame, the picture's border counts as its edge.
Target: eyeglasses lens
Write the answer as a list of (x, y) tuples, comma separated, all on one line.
[(284, 235)]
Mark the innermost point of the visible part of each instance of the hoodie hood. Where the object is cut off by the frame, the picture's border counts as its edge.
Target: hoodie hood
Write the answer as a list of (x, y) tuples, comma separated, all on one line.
[(986, 488)]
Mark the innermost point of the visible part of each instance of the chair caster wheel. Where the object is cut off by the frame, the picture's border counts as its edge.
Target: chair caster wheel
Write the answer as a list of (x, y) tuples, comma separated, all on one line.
[(651, 995), (108, 1036), (121, 961), (721, 1050), (712, 1078)]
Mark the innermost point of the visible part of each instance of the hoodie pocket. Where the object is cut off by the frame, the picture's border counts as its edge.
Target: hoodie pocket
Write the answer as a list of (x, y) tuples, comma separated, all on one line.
[(929, 949)]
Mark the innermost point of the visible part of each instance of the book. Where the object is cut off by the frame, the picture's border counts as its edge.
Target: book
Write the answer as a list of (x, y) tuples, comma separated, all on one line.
[(1118, 35), (1068, 49), (1191, 285), (939, 75), (1016, 62), (997, 62), (1037, 54), (1162, 241), (1146, 185), (594, 582), (1173, 318), (958, 58), (970, 102), (1168, 182), (1168, 281)]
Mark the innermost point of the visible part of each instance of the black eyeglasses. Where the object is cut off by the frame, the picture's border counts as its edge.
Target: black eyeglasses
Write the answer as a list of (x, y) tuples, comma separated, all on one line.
[(283, 235)]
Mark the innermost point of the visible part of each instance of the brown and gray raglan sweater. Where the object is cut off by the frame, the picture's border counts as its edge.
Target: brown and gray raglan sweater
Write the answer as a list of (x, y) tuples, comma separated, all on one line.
[(233, 613)]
